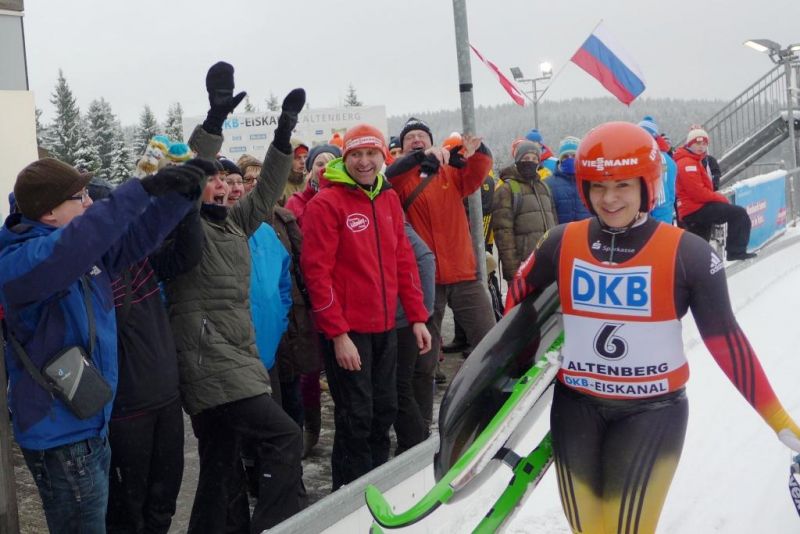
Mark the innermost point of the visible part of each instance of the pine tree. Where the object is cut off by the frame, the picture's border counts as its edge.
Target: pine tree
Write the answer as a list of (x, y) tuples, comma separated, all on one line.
[(63, 137), (121, 161), (272, 103), (173, 127), (87, 156), (41, 133), (248, 106), (147, 129), (351, 100), (103, 132)]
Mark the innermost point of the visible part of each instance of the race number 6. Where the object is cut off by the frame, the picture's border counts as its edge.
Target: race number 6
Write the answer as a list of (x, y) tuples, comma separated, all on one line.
[(609, 345)]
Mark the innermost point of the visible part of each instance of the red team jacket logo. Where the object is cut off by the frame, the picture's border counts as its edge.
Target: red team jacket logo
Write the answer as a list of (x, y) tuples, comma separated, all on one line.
[(357, 222)]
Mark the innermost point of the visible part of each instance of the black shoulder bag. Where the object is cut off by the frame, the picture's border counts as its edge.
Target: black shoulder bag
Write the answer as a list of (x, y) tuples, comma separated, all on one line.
[(70, 375)]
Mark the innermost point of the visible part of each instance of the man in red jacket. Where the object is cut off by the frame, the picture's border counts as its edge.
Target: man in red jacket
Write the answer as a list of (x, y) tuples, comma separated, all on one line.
[(699, 206), (357, 261), (436, 211)]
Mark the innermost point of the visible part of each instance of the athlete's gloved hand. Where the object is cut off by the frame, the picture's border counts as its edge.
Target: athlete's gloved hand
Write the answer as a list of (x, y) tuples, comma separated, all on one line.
[(790, 439), (182, 179), (291, 108), (219, 84)]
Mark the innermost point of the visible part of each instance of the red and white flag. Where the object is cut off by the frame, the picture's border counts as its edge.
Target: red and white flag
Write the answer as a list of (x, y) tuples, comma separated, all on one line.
[(507, 84)]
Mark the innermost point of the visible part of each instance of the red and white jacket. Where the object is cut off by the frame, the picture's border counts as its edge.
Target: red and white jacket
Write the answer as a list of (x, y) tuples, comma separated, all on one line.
[(693, 186), (356, 257)]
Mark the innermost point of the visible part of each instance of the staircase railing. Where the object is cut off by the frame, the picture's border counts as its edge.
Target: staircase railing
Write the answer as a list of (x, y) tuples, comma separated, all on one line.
[(752, 109)]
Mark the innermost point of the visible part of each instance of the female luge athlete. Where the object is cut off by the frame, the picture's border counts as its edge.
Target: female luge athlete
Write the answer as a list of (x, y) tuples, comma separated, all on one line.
[(619, 410)]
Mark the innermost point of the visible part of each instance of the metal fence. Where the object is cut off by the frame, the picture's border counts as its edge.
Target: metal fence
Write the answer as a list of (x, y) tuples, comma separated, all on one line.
[(754, 108)]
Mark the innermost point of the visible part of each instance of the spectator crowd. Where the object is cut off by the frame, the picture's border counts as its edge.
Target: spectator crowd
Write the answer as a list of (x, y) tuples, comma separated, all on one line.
[(226, 289)]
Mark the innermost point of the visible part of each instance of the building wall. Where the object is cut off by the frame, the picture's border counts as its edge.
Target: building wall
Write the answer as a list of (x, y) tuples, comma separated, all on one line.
[(13, 72), (17, 140)]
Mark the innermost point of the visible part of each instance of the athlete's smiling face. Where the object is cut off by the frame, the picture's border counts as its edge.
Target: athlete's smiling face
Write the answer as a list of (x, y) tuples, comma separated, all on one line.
[(616, 202)]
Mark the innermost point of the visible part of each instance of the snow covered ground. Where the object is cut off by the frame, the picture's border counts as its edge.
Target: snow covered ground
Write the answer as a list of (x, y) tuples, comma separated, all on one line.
[(733, 475)]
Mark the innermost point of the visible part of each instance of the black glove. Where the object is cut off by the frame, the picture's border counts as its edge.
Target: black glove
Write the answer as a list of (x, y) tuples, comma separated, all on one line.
[(219, 84), (182, 179), (292, 106), (429, 165), (456, 159)]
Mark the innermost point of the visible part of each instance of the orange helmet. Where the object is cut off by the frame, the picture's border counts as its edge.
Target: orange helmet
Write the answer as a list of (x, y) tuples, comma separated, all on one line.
[(618, 151)]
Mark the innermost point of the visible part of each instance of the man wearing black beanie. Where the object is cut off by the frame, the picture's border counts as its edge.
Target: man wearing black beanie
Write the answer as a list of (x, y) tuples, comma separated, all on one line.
[(432, 183)]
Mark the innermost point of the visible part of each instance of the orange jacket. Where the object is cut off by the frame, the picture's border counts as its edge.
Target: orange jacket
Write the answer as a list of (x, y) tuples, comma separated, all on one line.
[(437, 214)]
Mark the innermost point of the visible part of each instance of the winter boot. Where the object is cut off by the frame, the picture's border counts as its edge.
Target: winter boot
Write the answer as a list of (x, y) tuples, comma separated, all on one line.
[(312, 425)]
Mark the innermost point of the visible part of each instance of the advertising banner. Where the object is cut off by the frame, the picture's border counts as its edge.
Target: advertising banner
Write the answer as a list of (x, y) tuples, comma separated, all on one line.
[(764, 198), (251, 133)]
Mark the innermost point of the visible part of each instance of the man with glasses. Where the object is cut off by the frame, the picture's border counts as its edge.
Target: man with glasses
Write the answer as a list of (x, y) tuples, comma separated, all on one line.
[(700, 207), (432, 183), (58, 254)]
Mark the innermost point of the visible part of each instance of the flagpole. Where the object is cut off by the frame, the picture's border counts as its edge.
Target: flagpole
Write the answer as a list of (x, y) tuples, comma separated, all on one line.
[(468, 126), (560, 70)]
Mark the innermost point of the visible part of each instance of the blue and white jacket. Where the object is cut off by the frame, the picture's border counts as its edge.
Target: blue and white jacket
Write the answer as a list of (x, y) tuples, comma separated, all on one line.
[(40, 290), (664, 209)]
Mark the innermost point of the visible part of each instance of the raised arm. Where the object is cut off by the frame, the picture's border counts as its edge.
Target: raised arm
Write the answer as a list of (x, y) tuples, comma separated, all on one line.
[(183, 247), (256, 207), (206, 140), (174, 190), (477, 164), (107, 232)]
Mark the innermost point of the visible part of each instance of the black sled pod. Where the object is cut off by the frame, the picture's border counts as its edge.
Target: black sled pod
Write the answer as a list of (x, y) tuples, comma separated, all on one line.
[(485, 379)]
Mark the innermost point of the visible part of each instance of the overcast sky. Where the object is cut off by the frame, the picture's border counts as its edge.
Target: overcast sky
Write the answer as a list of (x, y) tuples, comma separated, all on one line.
[(400, 54)]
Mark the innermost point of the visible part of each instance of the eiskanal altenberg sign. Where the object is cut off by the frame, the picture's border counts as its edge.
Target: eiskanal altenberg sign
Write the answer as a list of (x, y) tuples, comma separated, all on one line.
[(251, 133)]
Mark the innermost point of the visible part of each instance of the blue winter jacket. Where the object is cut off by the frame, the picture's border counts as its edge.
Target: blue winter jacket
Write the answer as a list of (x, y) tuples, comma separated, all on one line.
[(664, 210), (565, 196), (40, 289), (270, 291)]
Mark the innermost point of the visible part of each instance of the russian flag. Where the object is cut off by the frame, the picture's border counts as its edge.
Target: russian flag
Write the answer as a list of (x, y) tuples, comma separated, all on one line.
[(607, 62)]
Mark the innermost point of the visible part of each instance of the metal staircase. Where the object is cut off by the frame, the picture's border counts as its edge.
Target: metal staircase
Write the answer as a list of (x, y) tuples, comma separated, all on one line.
[(753, 123)]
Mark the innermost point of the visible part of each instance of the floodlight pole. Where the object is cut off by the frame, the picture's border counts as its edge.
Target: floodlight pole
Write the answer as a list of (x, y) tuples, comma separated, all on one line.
[(787, 61), (535, 96), (468, 127)]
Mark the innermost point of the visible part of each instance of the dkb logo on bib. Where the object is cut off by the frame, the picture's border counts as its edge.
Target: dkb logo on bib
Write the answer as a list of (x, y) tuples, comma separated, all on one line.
[(618, 291)]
